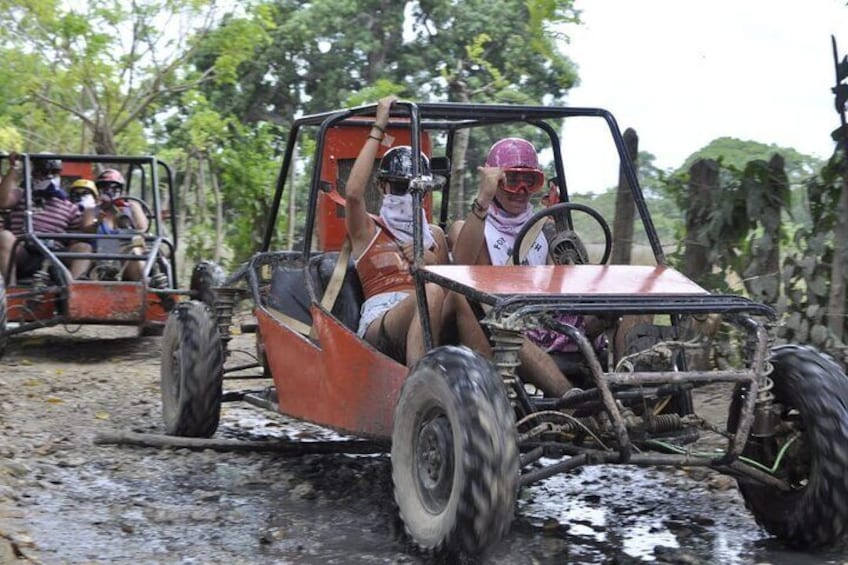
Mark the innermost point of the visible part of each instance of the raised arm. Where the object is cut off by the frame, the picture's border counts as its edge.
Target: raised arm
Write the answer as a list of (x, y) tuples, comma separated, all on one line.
[(10, 193), (359, 225), (471, 240)]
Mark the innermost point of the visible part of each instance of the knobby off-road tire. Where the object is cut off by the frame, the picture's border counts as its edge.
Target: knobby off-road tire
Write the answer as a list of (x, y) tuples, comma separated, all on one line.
[(204, 278), (192, 371), (813, 390), (3, 316), (454, 453)]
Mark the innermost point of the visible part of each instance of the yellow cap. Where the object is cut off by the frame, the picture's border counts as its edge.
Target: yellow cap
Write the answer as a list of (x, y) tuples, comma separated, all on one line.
[(85, 184)]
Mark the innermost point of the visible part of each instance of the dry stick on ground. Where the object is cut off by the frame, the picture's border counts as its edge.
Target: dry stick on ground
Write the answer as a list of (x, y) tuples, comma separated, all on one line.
[(276, 446)]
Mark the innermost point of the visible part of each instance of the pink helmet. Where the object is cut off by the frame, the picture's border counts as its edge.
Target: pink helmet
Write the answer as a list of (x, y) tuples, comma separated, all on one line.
[(513, 152), (111, 175)]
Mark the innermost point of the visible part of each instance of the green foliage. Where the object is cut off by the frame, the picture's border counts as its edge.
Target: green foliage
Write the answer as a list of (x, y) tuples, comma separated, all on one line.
[(738, 153), (807, 269), (87, 73)]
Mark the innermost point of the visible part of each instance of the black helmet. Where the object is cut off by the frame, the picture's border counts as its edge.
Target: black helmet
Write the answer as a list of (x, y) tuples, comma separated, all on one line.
[(47, 166), (396, 165)]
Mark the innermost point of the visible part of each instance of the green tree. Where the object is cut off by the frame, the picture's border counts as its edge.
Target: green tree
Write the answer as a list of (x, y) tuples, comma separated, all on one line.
[(737, 153), (88, 74), (327, 54)]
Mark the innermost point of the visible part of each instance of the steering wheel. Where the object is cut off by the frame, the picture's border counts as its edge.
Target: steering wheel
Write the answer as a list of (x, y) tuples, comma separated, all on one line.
[(564, 246)]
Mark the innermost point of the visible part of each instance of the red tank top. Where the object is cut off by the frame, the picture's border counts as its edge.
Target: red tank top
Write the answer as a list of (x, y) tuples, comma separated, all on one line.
[(382, 267)]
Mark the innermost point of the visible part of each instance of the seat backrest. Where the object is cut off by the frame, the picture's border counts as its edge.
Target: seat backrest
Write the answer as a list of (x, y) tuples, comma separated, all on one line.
[(350, 298), (288, 293)]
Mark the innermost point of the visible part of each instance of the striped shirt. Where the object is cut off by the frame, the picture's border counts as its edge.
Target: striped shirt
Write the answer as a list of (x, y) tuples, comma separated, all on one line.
[(53, 216)]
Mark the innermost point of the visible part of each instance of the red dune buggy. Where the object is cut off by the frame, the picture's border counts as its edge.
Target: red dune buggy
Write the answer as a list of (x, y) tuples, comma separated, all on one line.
[(50, 295), (465, 432)]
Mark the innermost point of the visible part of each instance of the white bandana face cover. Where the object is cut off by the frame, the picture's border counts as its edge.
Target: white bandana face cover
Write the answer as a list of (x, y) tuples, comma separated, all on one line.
[(45, 184), (396, 213)]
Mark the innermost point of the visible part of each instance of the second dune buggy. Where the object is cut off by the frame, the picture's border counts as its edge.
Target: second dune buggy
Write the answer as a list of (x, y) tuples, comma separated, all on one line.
[(51, 296)]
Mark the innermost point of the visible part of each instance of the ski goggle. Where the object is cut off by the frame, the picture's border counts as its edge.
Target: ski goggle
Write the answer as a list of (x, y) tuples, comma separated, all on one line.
[(76, 194), (518, 180), (109, 188)]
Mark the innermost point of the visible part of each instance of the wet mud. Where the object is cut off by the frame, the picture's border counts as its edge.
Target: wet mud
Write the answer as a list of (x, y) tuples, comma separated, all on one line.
[(64, 499)]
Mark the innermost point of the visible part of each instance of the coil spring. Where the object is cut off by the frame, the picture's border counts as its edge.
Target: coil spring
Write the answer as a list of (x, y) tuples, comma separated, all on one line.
[(40, 278), (225, 299), (764, 392), (505, 350), (664, 423)]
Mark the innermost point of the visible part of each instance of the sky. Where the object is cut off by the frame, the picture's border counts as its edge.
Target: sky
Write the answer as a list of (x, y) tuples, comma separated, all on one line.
[(684, 72)]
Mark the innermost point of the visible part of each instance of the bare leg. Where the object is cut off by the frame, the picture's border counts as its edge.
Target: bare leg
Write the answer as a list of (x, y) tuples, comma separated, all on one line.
[(537, 367), (540, 370), (7, 240), (458, 312), (625, 325), (80, 266), (415, 349), (133, 270)]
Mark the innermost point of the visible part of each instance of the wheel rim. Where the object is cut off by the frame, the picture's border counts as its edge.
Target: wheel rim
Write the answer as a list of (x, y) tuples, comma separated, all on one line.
[(434, 462)]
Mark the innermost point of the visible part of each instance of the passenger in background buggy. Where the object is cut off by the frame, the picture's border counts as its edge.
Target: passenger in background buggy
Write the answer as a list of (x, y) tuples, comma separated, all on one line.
[(114, 215), (382, 247), (52, 212)]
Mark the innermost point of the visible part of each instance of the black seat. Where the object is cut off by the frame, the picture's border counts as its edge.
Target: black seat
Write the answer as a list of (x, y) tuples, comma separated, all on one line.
[(350, 297), (288, 293)]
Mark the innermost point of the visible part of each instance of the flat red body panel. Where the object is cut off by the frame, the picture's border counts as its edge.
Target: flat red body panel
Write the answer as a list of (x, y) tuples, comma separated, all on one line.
[(20, 308), (90, 302), (344, 383), (570, 279)]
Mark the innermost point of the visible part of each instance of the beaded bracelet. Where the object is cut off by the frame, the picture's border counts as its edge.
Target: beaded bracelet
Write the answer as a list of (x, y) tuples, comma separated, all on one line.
[(478, 210), (382, 130), (375, 138)]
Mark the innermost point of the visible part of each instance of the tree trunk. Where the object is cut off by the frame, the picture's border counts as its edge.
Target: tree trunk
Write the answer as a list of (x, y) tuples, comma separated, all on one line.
[(836, 299), (290, 221), (200, 190), (458, 206), (103, 139), (703, 179), (762, 276), (219, 214), (625, 208), (458, 92), (182, 213)]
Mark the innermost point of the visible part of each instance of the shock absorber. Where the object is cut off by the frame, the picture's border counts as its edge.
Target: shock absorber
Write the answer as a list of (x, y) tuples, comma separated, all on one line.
[(225, 300), (766, 412), (505, 350)]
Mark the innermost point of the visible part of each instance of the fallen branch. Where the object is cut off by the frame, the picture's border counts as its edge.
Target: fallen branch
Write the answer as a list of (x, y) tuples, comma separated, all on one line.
[(275, 446)]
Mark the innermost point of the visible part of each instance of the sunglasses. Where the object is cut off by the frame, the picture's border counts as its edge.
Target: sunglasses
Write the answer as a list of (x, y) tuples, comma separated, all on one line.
[(108, 185), (527, 180), (76, 194), (398, 187)]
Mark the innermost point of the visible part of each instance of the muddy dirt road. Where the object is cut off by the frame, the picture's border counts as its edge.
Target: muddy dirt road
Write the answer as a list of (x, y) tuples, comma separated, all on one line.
[(64, 499)]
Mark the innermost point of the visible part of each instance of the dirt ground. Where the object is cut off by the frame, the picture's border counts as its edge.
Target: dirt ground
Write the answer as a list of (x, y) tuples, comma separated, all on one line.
[(65, 499)]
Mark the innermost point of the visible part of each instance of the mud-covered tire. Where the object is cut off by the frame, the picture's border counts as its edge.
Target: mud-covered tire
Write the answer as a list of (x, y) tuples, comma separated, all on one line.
[(3, 317), (813, 390), (206, 276), (191, 371), (454, 453)]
